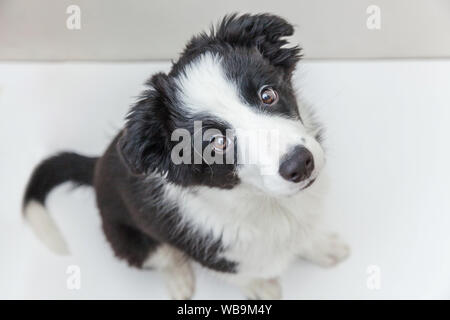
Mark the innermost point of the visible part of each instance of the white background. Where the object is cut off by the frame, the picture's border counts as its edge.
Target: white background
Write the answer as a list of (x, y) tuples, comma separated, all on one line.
[(388, 157)]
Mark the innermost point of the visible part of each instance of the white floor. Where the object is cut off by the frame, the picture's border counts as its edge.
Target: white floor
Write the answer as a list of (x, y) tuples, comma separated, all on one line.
[(388, 155)]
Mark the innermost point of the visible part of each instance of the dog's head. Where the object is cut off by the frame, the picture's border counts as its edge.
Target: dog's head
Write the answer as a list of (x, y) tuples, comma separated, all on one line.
[(227, 113)]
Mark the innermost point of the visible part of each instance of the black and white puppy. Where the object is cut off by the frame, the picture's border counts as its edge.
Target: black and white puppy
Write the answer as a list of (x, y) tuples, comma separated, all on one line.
[(232, 216)]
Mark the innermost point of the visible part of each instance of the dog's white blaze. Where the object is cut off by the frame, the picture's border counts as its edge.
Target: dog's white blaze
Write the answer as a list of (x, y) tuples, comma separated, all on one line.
[(45, 228), (205, 88)]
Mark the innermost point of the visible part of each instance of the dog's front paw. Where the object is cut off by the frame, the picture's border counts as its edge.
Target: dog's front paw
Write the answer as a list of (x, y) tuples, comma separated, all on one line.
[(263, 289), (327, 250), (180, 281)]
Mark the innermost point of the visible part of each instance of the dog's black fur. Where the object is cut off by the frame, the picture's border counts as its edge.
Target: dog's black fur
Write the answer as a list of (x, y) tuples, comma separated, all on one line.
[(148, 220), (136, 217)]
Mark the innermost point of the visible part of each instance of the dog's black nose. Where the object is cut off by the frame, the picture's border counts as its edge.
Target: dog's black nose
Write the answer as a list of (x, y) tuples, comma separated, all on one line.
[(297, 165)]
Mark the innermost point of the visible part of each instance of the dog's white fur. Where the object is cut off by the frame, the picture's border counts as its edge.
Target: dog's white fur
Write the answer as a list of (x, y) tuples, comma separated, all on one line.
[(176, 269), (45, 228)]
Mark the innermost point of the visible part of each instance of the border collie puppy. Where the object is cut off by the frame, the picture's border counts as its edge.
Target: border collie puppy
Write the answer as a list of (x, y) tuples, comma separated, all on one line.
[(165, 205)]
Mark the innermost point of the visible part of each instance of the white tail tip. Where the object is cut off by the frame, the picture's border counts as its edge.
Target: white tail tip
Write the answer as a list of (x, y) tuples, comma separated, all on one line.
[(45, 228)]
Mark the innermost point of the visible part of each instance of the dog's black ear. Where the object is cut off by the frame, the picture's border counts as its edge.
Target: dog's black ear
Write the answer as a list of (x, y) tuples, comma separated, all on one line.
[(145, 141), (264, 31)]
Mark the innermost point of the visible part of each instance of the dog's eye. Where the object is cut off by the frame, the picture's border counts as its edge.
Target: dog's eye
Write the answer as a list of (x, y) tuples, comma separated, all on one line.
[(268, 96), (220, 143)]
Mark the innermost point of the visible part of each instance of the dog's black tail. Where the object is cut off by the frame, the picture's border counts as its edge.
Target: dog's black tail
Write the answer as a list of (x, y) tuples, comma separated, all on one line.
[(48, 174)]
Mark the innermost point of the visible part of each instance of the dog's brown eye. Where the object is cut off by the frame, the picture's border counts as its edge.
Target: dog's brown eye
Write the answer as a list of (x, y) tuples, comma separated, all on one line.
[(268, 96), (219, 143)]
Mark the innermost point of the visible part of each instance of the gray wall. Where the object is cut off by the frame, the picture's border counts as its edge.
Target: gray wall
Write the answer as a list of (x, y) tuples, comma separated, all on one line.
[(158, 29)]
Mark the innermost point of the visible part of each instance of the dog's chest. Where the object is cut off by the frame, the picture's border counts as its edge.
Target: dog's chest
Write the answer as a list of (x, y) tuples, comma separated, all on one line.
[(260, 234), (264, 244)]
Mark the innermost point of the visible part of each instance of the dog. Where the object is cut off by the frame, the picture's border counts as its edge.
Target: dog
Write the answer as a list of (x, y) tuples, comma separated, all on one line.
[(240, 219)]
